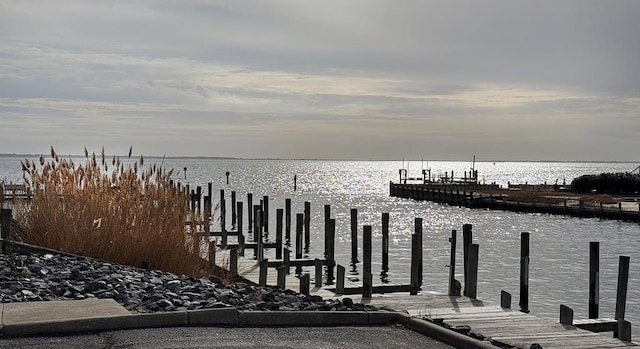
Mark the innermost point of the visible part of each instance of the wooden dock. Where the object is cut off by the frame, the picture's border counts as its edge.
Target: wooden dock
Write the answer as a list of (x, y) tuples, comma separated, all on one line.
[(506, 328), (471, 196)]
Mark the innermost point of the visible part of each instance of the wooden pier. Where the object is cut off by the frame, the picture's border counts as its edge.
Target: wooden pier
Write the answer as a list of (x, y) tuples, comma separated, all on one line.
[(470, 195)]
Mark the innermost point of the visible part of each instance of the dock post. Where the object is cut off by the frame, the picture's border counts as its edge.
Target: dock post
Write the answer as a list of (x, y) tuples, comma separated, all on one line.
[(453, 291), (307, 222), (524, 272), (212, 252), (287, 220), (340, 280), (472, 291), (594, 279), (367, 277), (331, 256), (418, 230), (317, 263), (260, 242), (286, 259), (241, 245), (279, 213), (233, 208), (249, 211), (327, 217), (233, 261), (505, 299), (299, 227), (624, 330), (265, 213), (198, 196), (239, 217), (621, 294), (467, 238), (282, 277), (385, 241), (223, 214), (6, 215), (354, 235), (262, 278), (304, 284), (256, 222), (566, 315), (414, 265)]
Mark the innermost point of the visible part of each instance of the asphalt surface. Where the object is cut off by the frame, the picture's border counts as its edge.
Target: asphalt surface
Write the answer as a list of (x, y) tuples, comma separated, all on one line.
[(361, 337)]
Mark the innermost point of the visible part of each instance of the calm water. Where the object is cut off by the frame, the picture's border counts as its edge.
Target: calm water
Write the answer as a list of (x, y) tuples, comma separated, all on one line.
[(559, 245)]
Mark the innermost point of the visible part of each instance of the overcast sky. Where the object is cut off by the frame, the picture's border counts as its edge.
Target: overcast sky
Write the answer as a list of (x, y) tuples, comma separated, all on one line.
[(366, 79)]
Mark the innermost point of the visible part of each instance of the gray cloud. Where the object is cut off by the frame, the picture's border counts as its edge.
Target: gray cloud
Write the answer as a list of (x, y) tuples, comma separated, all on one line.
[(336, 79)]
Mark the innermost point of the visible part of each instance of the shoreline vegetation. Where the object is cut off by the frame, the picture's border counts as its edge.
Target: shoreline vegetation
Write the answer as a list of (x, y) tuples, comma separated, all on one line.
[(112, 211)]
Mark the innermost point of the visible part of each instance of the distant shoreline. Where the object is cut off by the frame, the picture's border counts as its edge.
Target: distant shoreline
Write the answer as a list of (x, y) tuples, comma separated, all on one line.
[(192, 157)]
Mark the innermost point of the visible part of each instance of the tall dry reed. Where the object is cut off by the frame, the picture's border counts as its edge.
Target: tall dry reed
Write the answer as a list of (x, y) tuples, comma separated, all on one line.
[(110, 210)]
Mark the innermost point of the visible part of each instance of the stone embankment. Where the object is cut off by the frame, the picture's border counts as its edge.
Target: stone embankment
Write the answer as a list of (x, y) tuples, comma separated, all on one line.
[(46, 277)]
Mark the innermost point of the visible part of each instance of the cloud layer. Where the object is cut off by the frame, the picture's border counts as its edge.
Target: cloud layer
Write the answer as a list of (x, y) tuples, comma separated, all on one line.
[(333, 79)]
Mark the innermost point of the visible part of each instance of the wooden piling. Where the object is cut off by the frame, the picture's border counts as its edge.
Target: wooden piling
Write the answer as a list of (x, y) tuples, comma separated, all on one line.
[(233, 208), (624, 330), (260, 240), (262, 278), (467, 238), (198, 196), (318, 269), (239, 217), (472, 290), (327, 216), (418, 230), (233, 261), (287, 220), (505, 299), (621, 294), (331, 253), (385, 241), (256, 222), (299, 228), (524, 272), (223, 216), (340, 280), (250, 212), (279, 213), (212, 252), (414, 265), (265, 213), (241, 244), (282, 277), (307, 221), (367, 280), (354, 235), (287, 259), (594, 279), (452, 265), (566, 315), (304, 284)]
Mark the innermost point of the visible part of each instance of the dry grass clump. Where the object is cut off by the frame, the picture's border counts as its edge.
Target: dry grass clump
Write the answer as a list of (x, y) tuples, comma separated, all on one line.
[(108, 210)]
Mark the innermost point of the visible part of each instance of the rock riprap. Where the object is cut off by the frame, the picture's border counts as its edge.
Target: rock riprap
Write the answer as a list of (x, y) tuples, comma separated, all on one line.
[(45, 277)]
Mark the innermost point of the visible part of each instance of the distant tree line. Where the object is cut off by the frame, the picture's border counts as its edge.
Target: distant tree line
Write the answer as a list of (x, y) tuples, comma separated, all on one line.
[(608, 183)]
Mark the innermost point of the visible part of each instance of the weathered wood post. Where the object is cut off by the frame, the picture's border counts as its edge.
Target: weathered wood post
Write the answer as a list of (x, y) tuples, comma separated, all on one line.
[(467, 238), (239, 217), (472, 291), (260, 241), (327, 217), (414, 265), (287, 220), (233, 261), (621, 294), (212, 252), (331, 255), (505, 299), (418, 230), (566, 315), (354, 235), (256, 222), (199, 196), (307, 222), (317, 263), (223, 216), (453, 290), (594, 279), (524, 272), (279, 214), (287, 259), (282, 276), (367, 277), (249, 212), (233, 208), (262, 278), (385, 241), (340, 280), (5, 227), (265, 213), (299, 227), (241, 245), (305, 280)]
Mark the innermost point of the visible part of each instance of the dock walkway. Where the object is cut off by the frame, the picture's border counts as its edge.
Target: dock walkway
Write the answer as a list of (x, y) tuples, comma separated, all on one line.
[(503, 327)]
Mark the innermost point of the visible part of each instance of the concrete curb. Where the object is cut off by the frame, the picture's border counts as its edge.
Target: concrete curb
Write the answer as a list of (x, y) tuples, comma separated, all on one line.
[(442, 334)]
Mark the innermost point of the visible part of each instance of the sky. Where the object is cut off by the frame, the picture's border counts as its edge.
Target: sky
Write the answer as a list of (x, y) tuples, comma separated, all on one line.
[(361, 79)]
